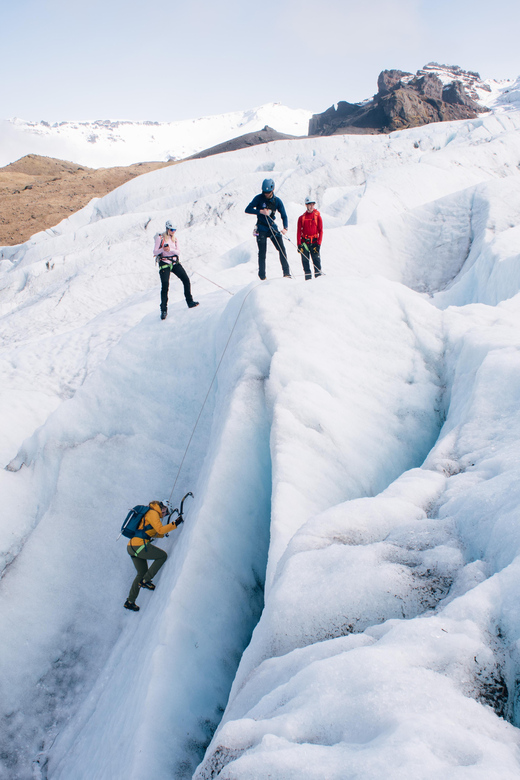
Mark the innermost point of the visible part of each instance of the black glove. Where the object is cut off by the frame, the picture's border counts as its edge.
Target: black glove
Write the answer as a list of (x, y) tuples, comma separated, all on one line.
[(179, 520)]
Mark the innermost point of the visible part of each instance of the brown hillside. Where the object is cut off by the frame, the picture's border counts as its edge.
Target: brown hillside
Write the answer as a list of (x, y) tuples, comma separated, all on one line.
[(38, 192)]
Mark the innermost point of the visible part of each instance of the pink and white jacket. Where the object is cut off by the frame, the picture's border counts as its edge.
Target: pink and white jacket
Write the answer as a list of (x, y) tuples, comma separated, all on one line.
[(165, 245)]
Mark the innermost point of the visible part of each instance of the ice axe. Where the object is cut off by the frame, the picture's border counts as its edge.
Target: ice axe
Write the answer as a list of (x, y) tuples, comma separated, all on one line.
[(180, 512)]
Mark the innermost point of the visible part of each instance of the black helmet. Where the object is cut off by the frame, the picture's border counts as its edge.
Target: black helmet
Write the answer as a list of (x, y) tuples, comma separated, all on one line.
[(268, 185)]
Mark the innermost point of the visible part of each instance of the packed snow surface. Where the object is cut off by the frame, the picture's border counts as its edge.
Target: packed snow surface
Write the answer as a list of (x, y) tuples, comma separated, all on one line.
[(343, 599), (107, 143)]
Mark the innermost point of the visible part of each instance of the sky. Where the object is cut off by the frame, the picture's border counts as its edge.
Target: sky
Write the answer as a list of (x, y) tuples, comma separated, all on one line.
[(165, 60)]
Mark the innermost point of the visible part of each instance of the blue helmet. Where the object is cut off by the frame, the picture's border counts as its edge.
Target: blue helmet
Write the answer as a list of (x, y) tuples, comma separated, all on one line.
[(268, 185)]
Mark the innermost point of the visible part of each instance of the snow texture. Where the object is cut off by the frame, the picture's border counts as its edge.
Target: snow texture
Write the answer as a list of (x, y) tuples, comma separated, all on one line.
[(342, 601), (106, 143)]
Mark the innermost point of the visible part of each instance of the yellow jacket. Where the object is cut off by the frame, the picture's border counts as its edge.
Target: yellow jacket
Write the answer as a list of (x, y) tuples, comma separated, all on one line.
[(154, 518)]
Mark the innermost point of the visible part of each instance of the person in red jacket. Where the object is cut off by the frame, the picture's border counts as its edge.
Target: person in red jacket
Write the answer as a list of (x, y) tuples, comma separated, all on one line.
[(310, 235)]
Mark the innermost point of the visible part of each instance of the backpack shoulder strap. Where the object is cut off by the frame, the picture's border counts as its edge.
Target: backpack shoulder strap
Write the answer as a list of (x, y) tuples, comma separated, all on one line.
[(144, 527)]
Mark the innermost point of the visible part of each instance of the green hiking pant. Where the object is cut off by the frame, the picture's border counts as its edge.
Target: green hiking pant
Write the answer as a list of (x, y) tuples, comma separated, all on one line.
[(151, 553)]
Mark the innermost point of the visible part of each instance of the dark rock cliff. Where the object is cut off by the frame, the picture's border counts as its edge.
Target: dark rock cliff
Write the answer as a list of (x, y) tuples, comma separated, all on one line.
[(403, 100)]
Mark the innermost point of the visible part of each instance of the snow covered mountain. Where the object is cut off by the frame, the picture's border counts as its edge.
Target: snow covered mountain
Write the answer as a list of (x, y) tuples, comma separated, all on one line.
[(106, 143), (109, 143), (488, 92), (343, 598), (436, 93)]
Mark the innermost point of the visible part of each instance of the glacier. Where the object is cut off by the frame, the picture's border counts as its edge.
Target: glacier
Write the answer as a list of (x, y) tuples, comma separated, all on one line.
[(342, 600), (108, 143)]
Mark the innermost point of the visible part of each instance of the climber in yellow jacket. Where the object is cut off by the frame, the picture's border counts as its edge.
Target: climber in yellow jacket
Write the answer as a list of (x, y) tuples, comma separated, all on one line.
[(141, 551)]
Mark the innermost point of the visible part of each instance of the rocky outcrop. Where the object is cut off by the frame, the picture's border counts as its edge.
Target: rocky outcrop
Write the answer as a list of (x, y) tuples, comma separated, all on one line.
[(404, 100), (242, 141), (389, 80)]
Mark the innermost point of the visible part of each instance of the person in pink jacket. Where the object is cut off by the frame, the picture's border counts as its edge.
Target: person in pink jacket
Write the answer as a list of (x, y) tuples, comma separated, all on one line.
[(166, 252)]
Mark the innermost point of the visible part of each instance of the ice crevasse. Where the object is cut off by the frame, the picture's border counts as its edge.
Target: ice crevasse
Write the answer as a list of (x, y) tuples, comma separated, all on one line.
[(342, 599)]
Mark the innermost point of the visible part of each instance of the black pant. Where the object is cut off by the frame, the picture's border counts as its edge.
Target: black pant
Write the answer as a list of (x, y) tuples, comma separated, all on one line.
[(180, 273), (277, 240), (313, 251)]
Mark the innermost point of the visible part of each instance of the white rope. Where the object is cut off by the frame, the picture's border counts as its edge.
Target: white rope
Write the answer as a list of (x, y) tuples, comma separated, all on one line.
[(219, 363), (210, 387)]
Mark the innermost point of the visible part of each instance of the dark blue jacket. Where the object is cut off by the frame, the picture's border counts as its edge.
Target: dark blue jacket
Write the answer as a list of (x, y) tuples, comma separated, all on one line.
[(265, 224)]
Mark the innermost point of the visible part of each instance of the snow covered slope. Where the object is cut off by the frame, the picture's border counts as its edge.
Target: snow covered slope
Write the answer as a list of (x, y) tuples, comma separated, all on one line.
[(105, 143), (342, 601), (108, 143)]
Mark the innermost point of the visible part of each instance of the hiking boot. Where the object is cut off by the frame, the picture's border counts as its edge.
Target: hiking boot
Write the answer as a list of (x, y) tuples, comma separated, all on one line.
[(192, 304), (164, 314), (287, 276), (147, 584), (131, 605), (308, 276)]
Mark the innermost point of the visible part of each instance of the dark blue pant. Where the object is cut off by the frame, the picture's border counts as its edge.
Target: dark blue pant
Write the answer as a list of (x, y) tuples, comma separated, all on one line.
[(312, 252), (277, 240), (181, 274)]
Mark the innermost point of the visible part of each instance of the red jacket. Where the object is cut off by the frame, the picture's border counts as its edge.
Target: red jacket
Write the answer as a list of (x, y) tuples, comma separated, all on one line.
[(310, 227)]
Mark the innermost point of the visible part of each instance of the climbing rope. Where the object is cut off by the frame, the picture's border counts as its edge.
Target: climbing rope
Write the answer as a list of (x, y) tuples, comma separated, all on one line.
[(212, 282), (281, 248), (225, 350), (210, 387)]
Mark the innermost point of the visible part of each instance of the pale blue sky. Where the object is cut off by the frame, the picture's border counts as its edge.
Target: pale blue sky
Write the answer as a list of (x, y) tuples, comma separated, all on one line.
[(166, 60)]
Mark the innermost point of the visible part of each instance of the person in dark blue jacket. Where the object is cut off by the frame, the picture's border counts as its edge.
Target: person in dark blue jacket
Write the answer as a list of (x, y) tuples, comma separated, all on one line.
[(265, 206)]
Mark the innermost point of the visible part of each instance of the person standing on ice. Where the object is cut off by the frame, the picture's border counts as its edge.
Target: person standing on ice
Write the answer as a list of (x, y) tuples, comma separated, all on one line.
[(310, 236), (166, 252), (265, 206), (141, 551)]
